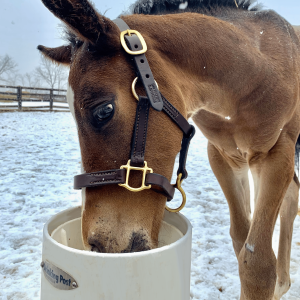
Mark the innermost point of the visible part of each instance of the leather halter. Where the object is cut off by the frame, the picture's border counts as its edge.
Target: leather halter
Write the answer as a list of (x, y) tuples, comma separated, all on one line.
[(134, 44)]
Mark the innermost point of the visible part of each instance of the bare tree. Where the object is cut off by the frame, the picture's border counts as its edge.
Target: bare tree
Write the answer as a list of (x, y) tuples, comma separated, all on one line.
[(54, 75), (12, 79), (30, 80), (7, 66)]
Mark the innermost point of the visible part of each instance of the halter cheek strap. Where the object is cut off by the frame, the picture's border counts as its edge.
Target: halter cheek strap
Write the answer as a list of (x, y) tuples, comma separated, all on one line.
[(140, 133), (133, 43)]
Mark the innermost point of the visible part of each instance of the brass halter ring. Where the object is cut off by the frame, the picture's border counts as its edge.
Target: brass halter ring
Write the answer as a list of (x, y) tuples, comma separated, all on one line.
[(123, 42), (178, 186), (133, 88)]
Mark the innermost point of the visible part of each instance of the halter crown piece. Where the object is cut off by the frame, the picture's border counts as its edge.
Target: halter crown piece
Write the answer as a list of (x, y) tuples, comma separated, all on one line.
[(135, 45)]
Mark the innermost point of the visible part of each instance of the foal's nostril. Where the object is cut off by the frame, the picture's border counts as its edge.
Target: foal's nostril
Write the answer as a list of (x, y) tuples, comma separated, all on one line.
[(94, 248), (96, 245), (138, 242)]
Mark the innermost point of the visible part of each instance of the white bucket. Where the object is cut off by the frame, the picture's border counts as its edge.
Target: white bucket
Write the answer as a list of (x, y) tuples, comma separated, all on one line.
[(68, 272)]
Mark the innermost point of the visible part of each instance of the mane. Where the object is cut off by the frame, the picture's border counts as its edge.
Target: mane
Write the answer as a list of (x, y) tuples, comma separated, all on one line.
[(222, 9), (209, 7)]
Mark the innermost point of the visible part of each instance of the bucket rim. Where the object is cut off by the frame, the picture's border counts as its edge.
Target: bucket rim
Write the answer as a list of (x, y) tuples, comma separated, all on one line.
[(182, 240)]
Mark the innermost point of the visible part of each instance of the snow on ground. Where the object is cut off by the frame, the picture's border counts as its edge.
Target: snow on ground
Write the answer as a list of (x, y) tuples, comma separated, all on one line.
[(28, 104), (40, 155)]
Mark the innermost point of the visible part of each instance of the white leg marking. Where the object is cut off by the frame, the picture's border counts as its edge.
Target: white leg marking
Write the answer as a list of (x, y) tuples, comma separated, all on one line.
[(250, 247)]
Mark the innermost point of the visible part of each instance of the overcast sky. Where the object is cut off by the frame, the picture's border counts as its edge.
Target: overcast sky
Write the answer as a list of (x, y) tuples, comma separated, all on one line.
[(24, 24)]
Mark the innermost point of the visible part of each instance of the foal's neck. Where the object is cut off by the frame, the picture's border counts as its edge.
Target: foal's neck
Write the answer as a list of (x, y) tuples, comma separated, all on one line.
[(213, 62)]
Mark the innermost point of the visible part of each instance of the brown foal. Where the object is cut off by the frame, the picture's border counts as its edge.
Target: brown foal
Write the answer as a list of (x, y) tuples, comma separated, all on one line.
[(236, 72)]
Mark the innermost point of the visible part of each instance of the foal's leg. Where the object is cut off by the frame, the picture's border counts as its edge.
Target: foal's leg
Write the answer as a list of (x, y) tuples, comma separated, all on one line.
[(257, 262), (233, 179), (288, 212)]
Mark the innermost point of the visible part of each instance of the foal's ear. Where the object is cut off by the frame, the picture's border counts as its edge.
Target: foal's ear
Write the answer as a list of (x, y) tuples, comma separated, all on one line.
[(61, 55), (84, 20)]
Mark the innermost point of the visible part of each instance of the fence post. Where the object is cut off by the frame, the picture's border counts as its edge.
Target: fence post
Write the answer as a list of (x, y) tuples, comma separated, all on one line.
[(51, 100), (19, 97)]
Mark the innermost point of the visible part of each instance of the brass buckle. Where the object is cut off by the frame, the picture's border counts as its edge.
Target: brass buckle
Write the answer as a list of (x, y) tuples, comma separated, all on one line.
[(129, 32), (178, 186), (128, 167), (133, 88)]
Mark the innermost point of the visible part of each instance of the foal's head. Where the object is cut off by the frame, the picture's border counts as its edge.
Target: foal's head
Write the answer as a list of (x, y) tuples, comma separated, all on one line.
[(100, 98)]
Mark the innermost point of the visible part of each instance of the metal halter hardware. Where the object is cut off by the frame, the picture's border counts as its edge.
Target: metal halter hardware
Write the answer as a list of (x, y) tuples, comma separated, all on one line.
[(123, 42), (133, 87), (144, 169), (135, 45)]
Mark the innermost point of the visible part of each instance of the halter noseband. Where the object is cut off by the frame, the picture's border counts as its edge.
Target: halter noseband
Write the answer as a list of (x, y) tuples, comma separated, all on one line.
[(134, 44)]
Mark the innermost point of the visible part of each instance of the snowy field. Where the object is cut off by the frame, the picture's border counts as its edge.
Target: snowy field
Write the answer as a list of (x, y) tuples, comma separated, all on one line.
[(27, 104), (39, 157)]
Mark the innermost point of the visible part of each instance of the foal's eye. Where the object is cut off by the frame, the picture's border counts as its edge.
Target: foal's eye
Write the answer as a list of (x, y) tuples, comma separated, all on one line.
[(92, 48), (103, 113)]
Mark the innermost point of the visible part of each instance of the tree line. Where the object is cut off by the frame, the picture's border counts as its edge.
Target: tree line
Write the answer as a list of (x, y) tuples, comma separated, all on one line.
[(46, 75)]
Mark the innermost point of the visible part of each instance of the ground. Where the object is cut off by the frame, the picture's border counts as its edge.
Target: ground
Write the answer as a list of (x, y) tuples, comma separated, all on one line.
[(40, 155)]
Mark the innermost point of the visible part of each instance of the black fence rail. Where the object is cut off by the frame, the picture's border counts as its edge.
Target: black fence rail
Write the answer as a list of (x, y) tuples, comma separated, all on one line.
[(22, 98)]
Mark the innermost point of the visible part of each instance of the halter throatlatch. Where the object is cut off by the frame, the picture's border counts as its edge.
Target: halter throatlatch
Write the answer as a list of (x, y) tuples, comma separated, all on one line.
[(135, 45)]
